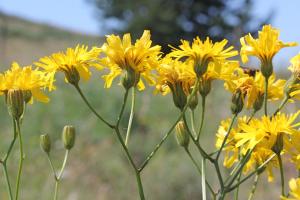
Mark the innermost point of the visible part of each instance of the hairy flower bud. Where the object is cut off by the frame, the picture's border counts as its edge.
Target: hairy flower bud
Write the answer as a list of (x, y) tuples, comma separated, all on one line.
[(45, 143), (182, 135), (130, 78), (15, 103), (68, 136), (27, 95), (179, 97), (204, 87), (289, 85), (200, 66), (258, 102), (193, 102), (237, 102), (278, 146), (72, 75), (267, 68)]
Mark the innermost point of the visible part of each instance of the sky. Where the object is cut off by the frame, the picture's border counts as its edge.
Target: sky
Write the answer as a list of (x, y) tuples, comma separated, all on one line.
[(79, 16)]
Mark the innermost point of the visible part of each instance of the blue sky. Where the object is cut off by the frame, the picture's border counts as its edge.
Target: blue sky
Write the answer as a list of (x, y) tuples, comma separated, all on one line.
[(77, 15)]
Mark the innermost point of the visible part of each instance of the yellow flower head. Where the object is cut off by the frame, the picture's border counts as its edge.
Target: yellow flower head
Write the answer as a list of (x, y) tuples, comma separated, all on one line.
[(137, 60), (25, 79), (232, 152), (252, 87), (264, 47), (201, 53), (294, 193), (174, 73), (75, 63), (295, 65), (265, 131)]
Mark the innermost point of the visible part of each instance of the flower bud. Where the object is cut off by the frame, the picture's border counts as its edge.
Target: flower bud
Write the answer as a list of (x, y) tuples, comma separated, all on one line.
[(289, 85), (204, 87), (200, 66), (193, 102), (267, 68), (130, 78), (278, 146), (182, 135), (68, 136), (45, 143), (258, 102), (27, 96), (237, 102), (15, 103), (179, 97), (72, 75)]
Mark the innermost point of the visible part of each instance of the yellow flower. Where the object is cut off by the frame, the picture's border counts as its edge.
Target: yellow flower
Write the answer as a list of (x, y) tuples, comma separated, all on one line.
[(75, 63), (294, 193), (175, 76), (30, 81), (293, 84), (292, 148), (264, 47), (232, 152), (172, 73), (252, 87), (201, 53), (138, 60), (265, 131)]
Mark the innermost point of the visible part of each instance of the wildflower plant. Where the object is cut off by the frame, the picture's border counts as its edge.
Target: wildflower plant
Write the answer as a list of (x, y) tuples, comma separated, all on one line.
[(247, 146)]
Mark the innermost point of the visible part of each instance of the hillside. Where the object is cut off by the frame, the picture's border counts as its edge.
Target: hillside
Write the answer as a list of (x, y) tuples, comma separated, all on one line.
[(25, 41)]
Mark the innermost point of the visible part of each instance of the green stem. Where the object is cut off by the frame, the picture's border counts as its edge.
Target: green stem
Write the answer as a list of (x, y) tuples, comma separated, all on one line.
[(261, 167), (266, 95), (203, 180), (122, 108), (193, 122), (281, 173), (157, 147), (284, 101), (236, 194), (4, 162), (199, 170), (202, 118), (21, 160), (254, 186), (130, 117), (136, 170), (58, 177), (226, 136), (90, 107)]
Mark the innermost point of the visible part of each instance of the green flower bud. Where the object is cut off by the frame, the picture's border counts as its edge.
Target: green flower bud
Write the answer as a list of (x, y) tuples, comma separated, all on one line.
[(200, 66), (237, 102), (182, 135), (179, 97), (193, 102), (72, 75), (130, 78), (68, 136), (278, 146), (288, 88), (258, 102), (267, 68), (204, 87), (45, 143), (27, 96), (15, 103)]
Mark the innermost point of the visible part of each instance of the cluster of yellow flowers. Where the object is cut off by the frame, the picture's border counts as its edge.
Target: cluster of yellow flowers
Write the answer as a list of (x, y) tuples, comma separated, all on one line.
[(187, 70)]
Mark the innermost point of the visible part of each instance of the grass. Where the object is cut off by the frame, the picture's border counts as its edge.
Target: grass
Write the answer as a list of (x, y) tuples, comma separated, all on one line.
[(97, 168)]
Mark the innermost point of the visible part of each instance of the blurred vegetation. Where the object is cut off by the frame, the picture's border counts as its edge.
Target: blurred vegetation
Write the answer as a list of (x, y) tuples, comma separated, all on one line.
[(97, 168), (170, 20)]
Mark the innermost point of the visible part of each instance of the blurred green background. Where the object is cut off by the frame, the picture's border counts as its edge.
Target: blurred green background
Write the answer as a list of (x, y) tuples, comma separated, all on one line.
[(97, 168)]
